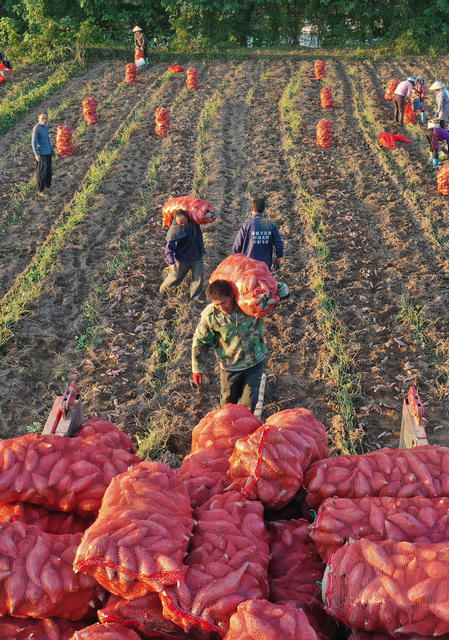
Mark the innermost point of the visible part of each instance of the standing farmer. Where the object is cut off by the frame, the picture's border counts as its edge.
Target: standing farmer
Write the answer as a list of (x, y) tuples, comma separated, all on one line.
[(258, 237), (435, 135), (140, 42), (238, 341), (43, 152), (402, 93), (442, 97), (419, 96), (184, 252)]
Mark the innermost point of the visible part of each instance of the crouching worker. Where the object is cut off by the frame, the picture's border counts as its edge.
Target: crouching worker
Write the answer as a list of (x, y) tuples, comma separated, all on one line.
[(184, 252), (238, 341), (435, 135)]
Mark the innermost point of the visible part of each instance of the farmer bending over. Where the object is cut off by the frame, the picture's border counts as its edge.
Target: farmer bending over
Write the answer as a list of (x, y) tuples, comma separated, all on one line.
[(435, 135), (5, 68), (442, 97), (43, 152), (419, 97), (238, 342), (184, 252), (402, 93), (258, 237)]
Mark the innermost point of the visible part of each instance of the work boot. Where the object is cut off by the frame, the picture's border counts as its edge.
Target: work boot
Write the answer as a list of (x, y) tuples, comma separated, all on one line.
[(423, 117)]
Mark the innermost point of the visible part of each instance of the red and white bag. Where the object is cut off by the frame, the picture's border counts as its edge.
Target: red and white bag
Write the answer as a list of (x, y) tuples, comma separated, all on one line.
[(137, 543), (269, 464)]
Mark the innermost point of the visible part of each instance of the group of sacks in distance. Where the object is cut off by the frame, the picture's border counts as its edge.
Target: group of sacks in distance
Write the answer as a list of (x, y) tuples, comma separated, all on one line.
[(255, 289), (90, 531)]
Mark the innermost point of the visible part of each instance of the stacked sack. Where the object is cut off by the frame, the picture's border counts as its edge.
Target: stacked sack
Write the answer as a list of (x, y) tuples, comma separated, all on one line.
[(254, 287), (327, 101), (130, 73), (324, 133), (162, 116), (443, 179), (64, 144), (391, 87), (90, 110), (192, 79), (320, 72), (198, 210)]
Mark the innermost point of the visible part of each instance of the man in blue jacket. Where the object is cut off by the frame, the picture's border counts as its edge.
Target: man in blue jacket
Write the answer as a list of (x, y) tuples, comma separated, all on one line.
[(184, 252), (257, 237), (43, 152)]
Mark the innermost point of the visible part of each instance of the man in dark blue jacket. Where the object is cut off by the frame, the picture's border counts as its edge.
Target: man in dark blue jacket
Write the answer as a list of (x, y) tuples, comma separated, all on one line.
[(257, 237), (184, 252)]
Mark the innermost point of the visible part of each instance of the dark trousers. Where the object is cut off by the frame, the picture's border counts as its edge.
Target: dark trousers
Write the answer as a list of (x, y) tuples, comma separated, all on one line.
[(43, 172), (179, 272), (399, 107), (441, 123), (241, 386)]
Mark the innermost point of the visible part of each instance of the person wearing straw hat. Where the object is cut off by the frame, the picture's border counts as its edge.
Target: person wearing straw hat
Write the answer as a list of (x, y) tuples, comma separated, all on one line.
[(442, 97), (140, 42), (402, 93), (435, 135)]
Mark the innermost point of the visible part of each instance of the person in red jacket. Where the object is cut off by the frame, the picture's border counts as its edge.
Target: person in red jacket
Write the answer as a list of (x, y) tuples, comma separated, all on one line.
[(419, 97), (5, 68)]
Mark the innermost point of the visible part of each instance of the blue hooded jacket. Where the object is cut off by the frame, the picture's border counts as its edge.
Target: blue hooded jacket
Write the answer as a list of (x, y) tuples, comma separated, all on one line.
[(256, 239), (184, 244)]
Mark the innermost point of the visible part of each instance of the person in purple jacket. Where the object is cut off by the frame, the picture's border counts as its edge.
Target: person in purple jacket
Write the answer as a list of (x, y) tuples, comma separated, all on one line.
[(258, 237), (435, 135), (402, 93), (184, 252)]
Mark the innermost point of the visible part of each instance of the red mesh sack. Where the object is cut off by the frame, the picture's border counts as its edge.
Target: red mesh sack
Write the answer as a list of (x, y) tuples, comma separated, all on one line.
[(414, 519), (109, 631), (387, 140), (54, 522), (401, 588), (46, 629), (294, 572), (263, 620), (130, 73), (324, 133), (205, 472), (138, 54), (162, 117), (36, 575), (198, 210), (374, 635), (269, 464), (400, 138), (443, 180), (143, 614), (409, 114), (221, 428), (320, 71), (105, 433), (64, 474), (175, 68), (254, 287), (327, 100), (141, 535), (401, 473), (90, 110), (64, 144), (391, 87), (192, 78), (227, 564)]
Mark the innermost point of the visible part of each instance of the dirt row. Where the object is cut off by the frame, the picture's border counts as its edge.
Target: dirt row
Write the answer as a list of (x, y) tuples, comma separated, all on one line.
[(22, 77), (37, 215)]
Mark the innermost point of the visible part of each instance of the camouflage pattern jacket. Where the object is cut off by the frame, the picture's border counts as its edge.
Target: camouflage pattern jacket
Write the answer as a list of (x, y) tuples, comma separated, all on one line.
[(236, 337)]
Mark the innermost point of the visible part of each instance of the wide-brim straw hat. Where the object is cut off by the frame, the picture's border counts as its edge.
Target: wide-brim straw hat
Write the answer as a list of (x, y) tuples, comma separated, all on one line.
[(136, 28), (437, 85)]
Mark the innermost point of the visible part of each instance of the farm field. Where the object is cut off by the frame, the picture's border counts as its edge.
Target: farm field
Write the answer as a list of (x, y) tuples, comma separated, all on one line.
[(366, 259)]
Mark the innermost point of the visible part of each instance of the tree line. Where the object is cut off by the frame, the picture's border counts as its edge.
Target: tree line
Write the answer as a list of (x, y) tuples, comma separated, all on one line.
[(409, 26)]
